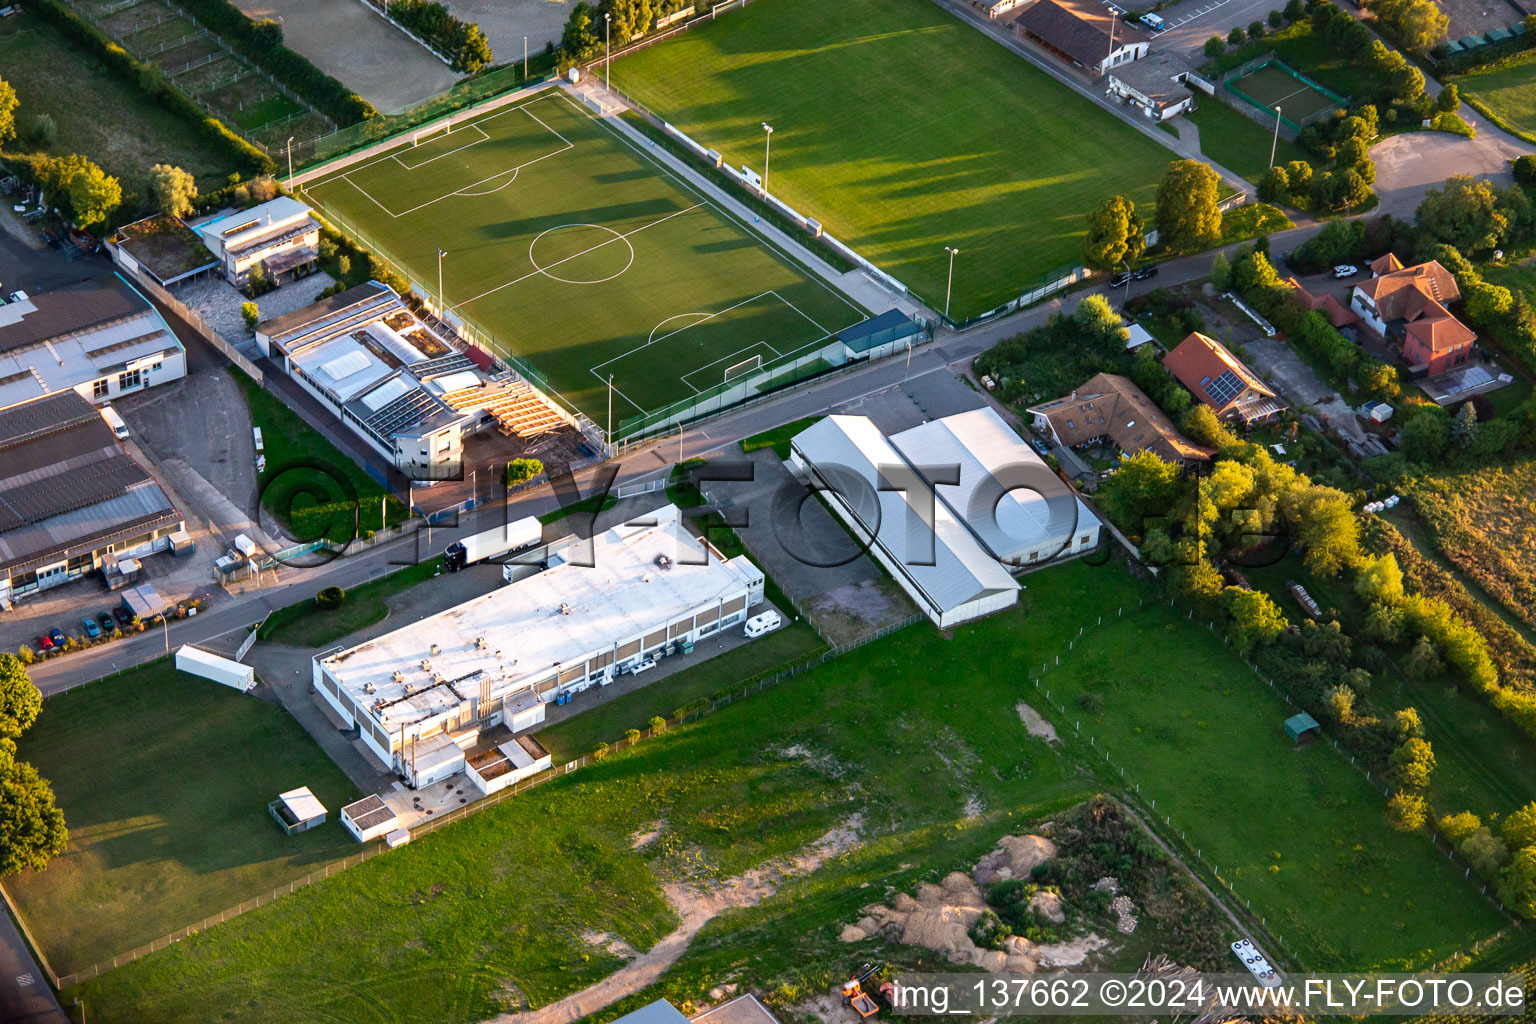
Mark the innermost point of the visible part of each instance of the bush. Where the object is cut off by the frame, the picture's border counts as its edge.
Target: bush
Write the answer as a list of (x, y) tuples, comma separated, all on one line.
[(632, 735), (1236, 37), (658, 725), (600, 751), (1407, 812), (44, 131), (462, 44), (1525, 171), (330, 598), (1215, 47), (25, 655)]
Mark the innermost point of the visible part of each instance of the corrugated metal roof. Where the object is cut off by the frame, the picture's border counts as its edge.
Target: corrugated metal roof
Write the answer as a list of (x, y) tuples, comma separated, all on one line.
[(65, 311), (659, 1012), (1015, 523), (945, 561)]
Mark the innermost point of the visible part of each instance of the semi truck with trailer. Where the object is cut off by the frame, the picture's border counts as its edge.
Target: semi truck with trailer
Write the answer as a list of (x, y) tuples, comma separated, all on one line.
[(506, 539)]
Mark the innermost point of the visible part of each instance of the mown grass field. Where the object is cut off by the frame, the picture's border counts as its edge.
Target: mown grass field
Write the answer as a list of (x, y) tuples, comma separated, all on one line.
[(164, 780), (306, 624), (1237, 142), (910, 732), (577, 251), (1507, 93), (96, 112), (903, 130)]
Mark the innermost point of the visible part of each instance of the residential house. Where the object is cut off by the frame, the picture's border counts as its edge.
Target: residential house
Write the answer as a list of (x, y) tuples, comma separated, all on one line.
[(1154, 85), (1219, 379), (1338, 314), (281, 236), (98, 338), (1109, 407), (996, 8), (1082, 32), (1407, 305)]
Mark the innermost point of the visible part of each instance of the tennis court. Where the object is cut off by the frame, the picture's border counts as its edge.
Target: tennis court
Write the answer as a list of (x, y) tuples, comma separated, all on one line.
[(576, 251), (1274, 85)]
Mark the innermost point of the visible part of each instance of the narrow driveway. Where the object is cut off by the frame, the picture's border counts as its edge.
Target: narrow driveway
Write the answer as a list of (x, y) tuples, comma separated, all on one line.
[(25, 997)]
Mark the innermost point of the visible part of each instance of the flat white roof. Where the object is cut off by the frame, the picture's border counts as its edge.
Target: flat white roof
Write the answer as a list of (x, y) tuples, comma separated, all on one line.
[(1014, 523), (643, 575), (302, 803), (946, 561), (342, 366)]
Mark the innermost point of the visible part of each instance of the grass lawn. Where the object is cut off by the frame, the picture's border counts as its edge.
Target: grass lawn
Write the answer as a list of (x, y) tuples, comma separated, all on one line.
[(164, 780), (911, 732), (903, 130), (778, 438), (1298, 47), (578, 252), (1237, 142), (97, 113), (1507, 94), (306, 624), (1251, 220), (312, 488)]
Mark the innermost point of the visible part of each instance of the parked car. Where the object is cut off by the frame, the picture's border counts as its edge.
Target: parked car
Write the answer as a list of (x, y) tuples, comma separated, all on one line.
[(123, 616), (1040, 446), (1119, 279), (89, 625), (18, 296), (1344, 270), (104, 620), (57, 636), (1144, 273), (45, 643)]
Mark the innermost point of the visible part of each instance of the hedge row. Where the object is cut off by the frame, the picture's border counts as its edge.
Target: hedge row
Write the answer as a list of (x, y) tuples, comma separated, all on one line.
[(262, 42), (150, 79)]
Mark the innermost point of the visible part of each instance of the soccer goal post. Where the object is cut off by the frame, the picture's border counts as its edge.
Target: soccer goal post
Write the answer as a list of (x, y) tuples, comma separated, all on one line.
[(430, 132), (743, 368)]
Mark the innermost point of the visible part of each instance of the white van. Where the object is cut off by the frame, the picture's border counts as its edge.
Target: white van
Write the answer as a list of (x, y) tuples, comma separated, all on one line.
[(767, 622), (115, 422), (1154, 22)]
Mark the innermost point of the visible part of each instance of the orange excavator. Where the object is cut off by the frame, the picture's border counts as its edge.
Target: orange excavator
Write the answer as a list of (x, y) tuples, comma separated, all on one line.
[(856, 997)]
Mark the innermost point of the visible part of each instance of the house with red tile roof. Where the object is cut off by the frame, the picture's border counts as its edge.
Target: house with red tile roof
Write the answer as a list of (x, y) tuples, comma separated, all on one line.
[(1111, 407), (1338, 314), (1408, 305), (1219, 379)]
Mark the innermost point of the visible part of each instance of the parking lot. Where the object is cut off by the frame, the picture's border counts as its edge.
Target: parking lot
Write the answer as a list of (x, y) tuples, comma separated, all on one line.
[(1192, 22)]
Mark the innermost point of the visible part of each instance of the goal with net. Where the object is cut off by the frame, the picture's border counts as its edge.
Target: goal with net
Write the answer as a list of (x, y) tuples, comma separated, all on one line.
[(431, 132), (743, 368)]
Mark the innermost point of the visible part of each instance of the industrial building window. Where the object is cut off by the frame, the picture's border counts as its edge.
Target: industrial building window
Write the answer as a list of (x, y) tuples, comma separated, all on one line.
[(655, 639), (735, 604), (602, 660), (544, 687), (100, 388), (570, 675), (629, 650), (707, 616), (681, 626), (129, 380)]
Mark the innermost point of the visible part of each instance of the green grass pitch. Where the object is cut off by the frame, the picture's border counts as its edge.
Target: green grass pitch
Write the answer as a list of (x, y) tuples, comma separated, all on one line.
[(903, 130), (1273, 87), (576, 251)]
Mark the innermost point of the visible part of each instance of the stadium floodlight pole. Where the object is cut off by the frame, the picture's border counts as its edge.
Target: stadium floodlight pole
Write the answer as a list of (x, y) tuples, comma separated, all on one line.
[(767, 152), (610, 410), (442, 305), (1275, 143), (607, 50), (525, 58), (290, 163), (951, 286)]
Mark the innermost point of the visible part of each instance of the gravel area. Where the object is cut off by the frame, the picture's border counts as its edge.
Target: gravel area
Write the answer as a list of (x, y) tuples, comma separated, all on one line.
[(218, 303)]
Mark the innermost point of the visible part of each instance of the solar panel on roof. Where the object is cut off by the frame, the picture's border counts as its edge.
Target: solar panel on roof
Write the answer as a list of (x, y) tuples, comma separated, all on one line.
[(1225, 388)]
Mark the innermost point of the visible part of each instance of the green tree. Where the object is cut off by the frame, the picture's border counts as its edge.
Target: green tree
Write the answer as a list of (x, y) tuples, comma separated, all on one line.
[(44, 131), (1407, 812), (20, 701), (1115, 234), (93, 195), (1145, 486), (1215, 47), (1464, 426), (469, 49), (1299, 174), (1519, 827), (32, 828), (174, 190), (1423, 661), (8, 104), (1517, 883), (1485, 851), (1380, 580), (1236, 37), (1100, 325), (1424, 436), (1487, 302), (1255, 30), (1275, 186), (1525, 171), (1276, 20), (1256, 620), (1465, 212), (1326, 528), (1449, 99), (1188, 218), (343, 266), (1294, 11), (579, 39), (1457, 827), (251, 313), (1406, 723), (519, 470), (1419, 25), (1412, 763), (1221, 273), (1201, 425), (1383, 624)]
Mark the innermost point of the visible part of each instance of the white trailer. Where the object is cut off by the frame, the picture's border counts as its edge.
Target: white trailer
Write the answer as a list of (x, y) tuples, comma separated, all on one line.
[(198, 662), (493, 543)]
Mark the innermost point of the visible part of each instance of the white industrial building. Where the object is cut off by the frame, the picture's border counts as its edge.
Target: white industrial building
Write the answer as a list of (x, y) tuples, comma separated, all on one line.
[(99, 338), (993, 504), (421, 695), (281, 236)]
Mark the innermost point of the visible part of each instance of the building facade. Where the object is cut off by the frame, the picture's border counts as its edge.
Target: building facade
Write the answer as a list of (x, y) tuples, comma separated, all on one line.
[(1219, 379), (281, 236), (1407, 305)]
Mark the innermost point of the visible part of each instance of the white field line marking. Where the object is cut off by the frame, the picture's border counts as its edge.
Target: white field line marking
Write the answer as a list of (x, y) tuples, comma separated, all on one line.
[(535, 273), (824, 332), (413, 167)]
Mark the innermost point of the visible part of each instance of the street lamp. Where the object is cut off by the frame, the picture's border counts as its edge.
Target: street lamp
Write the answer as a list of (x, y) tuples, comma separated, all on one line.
[(607, 50), (525, 58), (290, 163), (767, 151), (1275, 143), (442, 305), (610, 410), (950, 287)]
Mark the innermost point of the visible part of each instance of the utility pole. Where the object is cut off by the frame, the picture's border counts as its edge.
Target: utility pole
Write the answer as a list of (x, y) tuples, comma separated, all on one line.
[(525, 58), (610, 410), (767, 152), (442, 305), (290, 163), (950, 287), (607, 50), (1275, 143)]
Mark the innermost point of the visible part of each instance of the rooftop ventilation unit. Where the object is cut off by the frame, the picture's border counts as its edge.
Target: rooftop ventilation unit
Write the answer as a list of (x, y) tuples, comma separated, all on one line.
[(663, 563), (565, 609), (398, 676), (426, 665), (436, 649), (479, 643)]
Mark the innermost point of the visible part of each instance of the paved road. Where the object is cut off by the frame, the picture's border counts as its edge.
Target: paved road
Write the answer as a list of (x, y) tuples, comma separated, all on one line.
[(25, 996)]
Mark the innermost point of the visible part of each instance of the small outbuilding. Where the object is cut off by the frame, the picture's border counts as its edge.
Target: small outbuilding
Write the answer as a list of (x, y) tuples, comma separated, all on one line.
[(297, 810), (143, 602), (369, 818), (1302, 728)]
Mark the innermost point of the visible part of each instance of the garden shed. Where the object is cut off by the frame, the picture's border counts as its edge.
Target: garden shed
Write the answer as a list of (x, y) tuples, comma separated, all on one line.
[(297, 810), (1302, 728)]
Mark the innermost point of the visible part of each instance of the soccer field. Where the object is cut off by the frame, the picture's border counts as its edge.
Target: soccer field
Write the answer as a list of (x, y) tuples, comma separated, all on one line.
[(903, 130), (576, 251)]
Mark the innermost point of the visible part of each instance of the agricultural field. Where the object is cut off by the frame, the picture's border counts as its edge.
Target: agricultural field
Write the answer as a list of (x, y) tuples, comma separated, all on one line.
[(164, 781), (571, 248), (903, 130), (927, 776), (95, 111)]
